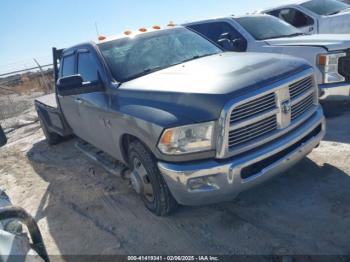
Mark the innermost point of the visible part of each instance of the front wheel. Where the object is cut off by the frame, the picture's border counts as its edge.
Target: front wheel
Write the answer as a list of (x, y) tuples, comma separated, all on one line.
[(148, 181)]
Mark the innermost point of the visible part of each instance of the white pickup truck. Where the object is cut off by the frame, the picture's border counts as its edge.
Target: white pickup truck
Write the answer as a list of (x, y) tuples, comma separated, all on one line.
[(329, 54), (315, 16)]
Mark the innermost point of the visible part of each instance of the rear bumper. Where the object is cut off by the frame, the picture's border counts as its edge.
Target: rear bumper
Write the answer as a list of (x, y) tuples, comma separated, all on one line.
[(211, 181)]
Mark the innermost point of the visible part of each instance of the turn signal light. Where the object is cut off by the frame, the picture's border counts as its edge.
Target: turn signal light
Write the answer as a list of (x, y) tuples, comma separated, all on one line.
[(322, 60)]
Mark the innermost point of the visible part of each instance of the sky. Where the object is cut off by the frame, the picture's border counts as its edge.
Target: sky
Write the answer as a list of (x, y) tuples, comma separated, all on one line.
[(29, 29)]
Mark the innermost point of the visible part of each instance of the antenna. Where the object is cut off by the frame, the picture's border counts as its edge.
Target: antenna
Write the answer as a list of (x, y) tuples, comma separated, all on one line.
[(97, 33)]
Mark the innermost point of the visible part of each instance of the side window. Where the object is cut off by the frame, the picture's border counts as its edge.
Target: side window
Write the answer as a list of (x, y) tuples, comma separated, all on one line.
[(87, 67), (68, 65), (213, 31), (293, 17)]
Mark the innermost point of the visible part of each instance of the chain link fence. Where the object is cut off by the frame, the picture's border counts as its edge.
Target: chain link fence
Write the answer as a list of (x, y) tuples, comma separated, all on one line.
[(17, 95)]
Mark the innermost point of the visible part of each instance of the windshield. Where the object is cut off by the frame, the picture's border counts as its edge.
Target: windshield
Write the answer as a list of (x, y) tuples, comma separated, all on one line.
[(325, 7), (129, 58), (267, 27)]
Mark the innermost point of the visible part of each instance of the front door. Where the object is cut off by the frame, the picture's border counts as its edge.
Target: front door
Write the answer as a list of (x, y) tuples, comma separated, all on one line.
[(94, 106)]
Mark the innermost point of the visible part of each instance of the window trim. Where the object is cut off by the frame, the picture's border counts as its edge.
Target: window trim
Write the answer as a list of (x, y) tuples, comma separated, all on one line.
[(297, 9), (68, 54), (87, 51)]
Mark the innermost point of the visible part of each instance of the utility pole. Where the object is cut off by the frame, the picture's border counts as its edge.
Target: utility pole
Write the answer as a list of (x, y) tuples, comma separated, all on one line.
[(43, 76)]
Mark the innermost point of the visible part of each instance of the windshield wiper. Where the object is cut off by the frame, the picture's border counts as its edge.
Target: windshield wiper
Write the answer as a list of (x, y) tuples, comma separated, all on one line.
[(283, 36), (157, 68), (144, 72), (196, 57)]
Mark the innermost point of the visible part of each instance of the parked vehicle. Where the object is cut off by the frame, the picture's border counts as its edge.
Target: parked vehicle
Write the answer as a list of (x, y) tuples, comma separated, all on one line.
[(194, 124), (14, 243), (329, 54), (315, 16)]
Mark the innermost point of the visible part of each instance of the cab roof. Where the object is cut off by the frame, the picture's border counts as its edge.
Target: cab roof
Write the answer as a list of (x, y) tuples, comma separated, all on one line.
[(224, 17), (140, 31), (285, 4)]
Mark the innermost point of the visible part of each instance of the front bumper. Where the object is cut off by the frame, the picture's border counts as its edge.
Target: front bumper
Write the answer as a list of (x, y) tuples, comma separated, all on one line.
[(223, 180), (334, 85)]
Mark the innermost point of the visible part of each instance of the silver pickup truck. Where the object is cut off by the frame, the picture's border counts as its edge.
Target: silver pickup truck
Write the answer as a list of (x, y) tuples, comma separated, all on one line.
[(194, 124)]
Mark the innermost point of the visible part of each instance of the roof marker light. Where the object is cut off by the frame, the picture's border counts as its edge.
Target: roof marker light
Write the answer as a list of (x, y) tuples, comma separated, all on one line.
[(171, 23), (142, 29), (156, 27), (101, 37), (127, 32)]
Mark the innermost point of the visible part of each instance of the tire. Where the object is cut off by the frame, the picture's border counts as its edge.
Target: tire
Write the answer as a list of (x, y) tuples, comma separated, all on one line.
[(51, 138), (162, 203)]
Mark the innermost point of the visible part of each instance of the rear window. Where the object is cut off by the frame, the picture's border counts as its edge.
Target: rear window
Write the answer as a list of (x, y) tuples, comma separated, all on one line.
[(68, 65)]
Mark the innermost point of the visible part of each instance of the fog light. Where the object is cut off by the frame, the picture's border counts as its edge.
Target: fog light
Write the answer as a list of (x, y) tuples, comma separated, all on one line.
[(202, 184)]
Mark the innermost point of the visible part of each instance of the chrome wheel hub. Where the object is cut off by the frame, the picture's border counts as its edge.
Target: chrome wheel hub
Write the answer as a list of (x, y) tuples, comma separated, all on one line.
[(140, 180)]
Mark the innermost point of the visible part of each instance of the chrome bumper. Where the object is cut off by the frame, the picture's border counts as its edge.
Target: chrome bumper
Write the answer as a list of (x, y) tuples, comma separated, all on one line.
[(334, 85), (211, 181)]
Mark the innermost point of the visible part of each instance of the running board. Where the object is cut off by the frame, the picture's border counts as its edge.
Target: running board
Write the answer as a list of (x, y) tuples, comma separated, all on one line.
[(105, 161)]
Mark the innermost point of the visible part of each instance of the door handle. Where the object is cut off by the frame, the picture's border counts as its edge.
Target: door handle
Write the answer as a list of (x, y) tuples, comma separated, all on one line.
[(78, 100)]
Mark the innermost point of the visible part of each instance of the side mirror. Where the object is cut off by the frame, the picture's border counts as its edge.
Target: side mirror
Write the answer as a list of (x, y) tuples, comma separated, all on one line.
[(239, 45), (229, 44), (3, 139), (226, 44), (74, 85), (69, 85)]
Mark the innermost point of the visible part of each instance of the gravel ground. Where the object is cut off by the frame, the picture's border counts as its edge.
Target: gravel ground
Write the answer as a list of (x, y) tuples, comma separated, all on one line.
[(81, 209)]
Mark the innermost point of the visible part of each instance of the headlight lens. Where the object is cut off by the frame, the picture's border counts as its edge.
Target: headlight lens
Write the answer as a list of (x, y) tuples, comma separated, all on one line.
[(187, 139), (328, 63)]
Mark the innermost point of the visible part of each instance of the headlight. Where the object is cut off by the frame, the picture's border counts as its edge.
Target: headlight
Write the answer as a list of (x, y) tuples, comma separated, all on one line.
[(187, 139), (328, 63)]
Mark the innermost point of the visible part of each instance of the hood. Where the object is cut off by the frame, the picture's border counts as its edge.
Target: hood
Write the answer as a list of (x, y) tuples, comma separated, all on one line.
[(335, 24), (199, 89), (331, 42), (218, 74)]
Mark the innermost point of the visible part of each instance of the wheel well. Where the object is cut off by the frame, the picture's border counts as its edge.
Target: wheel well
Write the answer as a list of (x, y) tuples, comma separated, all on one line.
[(125, 141)]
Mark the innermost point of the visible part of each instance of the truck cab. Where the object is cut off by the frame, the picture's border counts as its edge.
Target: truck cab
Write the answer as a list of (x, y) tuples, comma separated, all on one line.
[(194, 124), (315, 16), (328, 54)]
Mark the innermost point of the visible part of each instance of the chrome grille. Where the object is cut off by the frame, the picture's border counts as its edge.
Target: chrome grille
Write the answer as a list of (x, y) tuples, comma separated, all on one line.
[(254, 107), (252, 131), (269, 113), (300, 87), (303, 106)]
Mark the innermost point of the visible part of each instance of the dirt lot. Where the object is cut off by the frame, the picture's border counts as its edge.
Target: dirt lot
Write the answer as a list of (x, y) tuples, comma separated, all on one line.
[(81, 209)]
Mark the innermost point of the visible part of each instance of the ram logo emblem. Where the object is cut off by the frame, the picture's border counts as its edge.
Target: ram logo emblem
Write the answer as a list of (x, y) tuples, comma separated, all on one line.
[(286, 107)]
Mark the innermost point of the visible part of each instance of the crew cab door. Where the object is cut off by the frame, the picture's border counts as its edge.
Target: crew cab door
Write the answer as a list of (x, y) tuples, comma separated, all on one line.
[(297, 18), (70, 104), (94, 106)]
